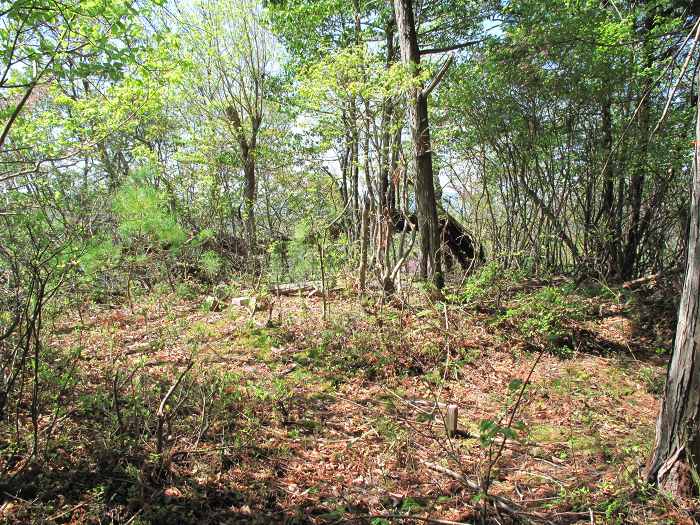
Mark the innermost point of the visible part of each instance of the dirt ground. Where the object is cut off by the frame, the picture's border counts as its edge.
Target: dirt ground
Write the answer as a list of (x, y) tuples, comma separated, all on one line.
[(286, 418)]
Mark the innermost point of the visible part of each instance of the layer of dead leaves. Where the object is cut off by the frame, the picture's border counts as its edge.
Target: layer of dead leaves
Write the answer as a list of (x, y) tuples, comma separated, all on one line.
[(358, 411)]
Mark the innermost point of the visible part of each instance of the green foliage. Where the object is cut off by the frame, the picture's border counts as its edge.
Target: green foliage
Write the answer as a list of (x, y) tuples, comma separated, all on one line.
[(211, 263), (99, 254), (490, 431), (186, 290), (654, 381), (543, 316), (144, 215), (577, 498), (480, 284), (299, 259)]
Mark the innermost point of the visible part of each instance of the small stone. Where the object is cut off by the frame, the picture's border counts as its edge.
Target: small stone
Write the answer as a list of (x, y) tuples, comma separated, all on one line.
[(240, 301)]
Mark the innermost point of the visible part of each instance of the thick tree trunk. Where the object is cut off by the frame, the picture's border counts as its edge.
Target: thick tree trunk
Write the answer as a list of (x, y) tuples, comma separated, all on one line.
[(420, 131), (677, 447)]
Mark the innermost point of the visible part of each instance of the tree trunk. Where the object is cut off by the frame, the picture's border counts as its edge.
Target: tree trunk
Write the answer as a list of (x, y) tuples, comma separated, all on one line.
[(249, 196), (364, 246), (609, 248), (420, 132), (387, 149), (636, 189), (677, 447), (248, 150)]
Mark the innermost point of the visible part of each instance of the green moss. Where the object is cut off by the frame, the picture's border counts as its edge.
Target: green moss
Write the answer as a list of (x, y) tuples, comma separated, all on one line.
[(545, 433)]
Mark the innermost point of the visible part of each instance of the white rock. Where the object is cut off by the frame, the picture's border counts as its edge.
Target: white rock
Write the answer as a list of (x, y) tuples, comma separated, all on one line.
[(240, 301)]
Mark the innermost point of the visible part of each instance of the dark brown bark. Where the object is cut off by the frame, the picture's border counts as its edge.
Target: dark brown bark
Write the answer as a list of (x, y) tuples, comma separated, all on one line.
[(610, 244), (677, 448), (250, 191), (387, 149), (354, 137), (420, 131), (364, 246)]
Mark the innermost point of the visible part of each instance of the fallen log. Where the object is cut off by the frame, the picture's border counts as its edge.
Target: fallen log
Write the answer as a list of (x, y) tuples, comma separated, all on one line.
[(295, 288), (629, 285), (307, 288)]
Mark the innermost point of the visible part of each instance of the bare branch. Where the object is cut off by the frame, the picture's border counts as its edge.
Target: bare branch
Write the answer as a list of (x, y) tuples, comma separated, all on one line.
[(438, 77)]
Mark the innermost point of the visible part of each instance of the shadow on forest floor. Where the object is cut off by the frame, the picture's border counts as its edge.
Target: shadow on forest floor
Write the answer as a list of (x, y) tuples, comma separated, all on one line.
[(318, 422)]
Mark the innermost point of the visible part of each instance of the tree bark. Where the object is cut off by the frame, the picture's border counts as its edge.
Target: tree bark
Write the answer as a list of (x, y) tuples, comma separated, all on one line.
[(248, 150), (364, 246), (250, 191), (636, 188), (387, 149), (677, 447), (609, 248), (420, 132)]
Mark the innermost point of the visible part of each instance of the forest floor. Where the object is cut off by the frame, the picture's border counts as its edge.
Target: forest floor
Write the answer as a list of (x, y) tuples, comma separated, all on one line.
[(300, 420)]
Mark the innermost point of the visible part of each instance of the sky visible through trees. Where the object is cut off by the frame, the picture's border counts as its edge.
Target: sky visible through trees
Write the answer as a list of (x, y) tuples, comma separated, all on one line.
[(333, 261)]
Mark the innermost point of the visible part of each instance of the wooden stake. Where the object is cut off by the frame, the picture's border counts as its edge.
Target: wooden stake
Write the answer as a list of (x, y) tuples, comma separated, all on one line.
[(451, 420)]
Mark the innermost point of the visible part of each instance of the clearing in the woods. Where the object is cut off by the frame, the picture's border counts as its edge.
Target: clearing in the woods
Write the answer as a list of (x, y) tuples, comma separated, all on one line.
[(286, 418)]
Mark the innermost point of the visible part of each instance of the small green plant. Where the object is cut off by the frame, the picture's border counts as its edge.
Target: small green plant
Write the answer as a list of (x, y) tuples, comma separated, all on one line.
[(210, 263), (543, 317), (578, 498), (143, 214), (480, 284), (653, 380), (186, 290)]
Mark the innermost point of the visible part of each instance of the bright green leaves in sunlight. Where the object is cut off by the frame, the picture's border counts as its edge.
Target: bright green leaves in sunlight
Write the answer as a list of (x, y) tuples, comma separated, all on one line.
[(144, 215)]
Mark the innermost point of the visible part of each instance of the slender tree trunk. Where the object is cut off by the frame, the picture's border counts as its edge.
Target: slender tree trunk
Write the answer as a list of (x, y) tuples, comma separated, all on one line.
[(677, 447), (386, 172), (250, 191), (418, 115), (610, 244), (636, 189), (364, 246)]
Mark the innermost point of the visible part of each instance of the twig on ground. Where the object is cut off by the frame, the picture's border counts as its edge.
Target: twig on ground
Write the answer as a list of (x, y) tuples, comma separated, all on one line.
[(501, 503), (401, 517)]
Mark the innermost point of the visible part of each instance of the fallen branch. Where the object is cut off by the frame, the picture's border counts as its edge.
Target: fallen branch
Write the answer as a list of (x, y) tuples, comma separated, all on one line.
[(629, 285), (295, 288), (501, 503), (400, 517)]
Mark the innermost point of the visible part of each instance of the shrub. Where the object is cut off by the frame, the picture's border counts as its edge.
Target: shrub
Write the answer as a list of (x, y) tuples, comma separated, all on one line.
[(543, 316)]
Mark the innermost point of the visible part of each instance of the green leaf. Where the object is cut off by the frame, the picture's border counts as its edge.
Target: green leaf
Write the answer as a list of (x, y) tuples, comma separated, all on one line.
[(515, 385)]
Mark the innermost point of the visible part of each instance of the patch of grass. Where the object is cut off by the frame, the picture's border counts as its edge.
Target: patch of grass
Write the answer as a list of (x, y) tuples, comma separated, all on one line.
[(200, 332), (545, 433), (260, 340), (585, 444), (186, 290)]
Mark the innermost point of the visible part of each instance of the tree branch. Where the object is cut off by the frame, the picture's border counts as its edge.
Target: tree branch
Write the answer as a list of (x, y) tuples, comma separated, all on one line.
[(462, 45), (438, 77)]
